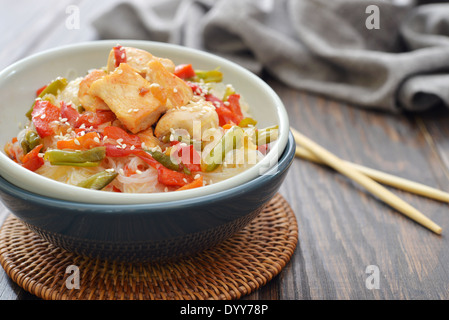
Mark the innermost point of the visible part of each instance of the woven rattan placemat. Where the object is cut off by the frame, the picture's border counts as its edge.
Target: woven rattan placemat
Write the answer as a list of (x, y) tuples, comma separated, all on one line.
[(230, 270)]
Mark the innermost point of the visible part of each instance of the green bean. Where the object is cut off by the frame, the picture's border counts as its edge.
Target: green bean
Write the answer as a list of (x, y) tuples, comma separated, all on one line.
[(77, 158), (53, 88), (246, 122), (30, 141), (99, 180), (209, 75), (232, 139), (267, 135), (165, 160), (229, 91), (77, 164)]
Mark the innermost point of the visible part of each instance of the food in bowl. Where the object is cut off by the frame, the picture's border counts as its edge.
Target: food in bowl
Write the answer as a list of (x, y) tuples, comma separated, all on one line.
[(140, 124)]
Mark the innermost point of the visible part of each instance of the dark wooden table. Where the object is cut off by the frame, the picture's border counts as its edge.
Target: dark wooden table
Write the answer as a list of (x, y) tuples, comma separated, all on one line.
[(343, 230)]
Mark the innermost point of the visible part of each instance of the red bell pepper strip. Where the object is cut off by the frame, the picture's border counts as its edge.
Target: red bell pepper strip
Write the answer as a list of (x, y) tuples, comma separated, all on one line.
[(69, 113), (113, 150), (117, 133), (184, 71), (172, 178), (31, 160), (166, 176), (44, 113), (94, 119), (145, 156), (39, 91), (188, 156), (229, 113), (88, 118), (120, 55), (234, 106)]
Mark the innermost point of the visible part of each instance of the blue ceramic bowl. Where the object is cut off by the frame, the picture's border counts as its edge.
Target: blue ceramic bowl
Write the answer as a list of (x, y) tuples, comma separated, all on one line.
[(147, 232)]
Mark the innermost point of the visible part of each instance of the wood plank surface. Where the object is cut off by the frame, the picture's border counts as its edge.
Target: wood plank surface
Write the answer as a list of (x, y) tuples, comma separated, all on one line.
[(342, 228)]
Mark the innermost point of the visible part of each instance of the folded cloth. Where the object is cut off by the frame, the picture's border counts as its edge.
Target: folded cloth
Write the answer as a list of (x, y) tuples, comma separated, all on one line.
[(378, 54)]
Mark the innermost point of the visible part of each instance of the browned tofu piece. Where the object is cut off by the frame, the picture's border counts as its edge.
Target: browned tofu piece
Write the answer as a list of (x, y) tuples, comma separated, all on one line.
[(177, 91), (129, 96), (138, 59), (148, 138), (89, 102)]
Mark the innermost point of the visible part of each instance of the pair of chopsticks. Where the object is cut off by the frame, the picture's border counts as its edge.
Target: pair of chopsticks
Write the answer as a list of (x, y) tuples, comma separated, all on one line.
[(370, 179)]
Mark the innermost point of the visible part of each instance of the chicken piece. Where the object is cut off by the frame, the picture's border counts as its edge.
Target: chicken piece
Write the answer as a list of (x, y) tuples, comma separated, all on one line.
[(138, 59), (147, 137), (89, 102), (178, 92), (130, 97), (195, 118)]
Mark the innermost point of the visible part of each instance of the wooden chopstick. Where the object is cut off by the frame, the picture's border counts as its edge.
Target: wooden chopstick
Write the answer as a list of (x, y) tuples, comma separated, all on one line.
[(369, 184), (384, 178)]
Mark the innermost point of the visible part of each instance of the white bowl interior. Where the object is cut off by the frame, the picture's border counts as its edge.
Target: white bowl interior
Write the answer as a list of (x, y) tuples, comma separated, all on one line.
[(17, 91)]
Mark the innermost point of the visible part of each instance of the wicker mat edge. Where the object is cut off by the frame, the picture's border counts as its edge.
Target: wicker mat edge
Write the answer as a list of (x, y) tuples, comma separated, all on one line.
[(235, 268)]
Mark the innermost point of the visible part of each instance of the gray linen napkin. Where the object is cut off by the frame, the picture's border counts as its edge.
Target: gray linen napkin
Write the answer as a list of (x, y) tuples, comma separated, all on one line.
[(322, 46)]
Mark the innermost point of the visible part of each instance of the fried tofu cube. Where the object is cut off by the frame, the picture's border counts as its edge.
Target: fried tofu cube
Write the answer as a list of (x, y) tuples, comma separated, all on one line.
[(178, 92), (89, 102), (138, 59), (147, 137), (129, 96)]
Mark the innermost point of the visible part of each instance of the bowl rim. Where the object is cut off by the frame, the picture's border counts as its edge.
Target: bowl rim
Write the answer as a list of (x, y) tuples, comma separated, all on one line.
[(99, 197), (106, 209)]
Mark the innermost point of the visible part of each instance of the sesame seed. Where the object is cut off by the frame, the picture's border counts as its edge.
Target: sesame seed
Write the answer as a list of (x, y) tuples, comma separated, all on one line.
[(132, 147), (97, 140), (197, 176), (121, 171), (184, 179), (138, 172), (130, 110), (119, 141), (175, 90), (43, 116), (136, 110), (77, 142)]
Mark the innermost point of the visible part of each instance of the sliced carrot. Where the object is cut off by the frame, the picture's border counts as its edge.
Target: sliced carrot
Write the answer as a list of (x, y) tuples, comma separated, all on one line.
[(88, 141), (192, 185)]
